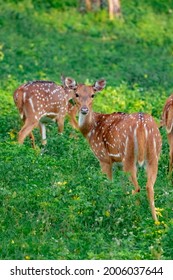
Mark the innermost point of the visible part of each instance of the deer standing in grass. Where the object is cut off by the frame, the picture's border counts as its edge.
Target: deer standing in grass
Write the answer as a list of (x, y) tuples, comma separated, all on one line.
[(37, 99), (119, 137), (167, 121)]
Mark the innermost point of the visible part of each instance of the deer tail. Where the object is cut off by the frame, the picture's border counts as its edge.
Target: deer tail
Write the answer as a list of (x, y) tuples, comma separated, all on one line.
[(141, 144), (19, 101)]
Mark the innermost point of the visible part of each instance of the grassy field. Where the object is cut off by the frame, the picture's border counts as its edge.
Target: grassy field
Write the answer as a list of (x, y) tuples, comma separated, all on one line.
[(54, 202)]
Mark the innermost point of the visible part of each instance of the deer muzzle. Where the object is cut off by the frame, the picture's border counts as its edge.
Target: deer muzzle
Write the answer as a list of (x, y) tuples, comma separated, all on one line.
[(84, 110)]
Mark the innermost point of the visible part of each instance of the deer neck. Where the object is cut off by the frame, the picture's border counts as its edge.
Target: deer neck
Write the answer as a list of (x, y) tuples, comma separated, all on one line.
[(85, 123)]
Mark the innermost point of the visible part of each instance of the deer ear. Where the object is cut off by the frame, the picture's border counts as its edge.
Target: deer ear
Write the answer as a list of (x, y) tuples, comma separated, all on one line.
[(99, 85), (68, 82)]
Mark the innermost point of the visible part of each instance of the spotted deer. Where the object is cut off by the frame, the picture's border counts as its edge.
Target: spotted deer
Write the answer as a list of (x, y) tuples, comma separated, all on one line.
[(167, 121), (37, 99), (119, 137)]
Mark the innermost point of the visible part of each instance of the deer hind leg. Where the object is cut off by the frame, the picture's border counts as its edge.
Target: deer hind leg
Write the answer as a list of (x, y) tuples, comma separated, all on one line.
[(132, 170), (129, 164), (31, 136), (26, 130), (106, 168), (151, 178)]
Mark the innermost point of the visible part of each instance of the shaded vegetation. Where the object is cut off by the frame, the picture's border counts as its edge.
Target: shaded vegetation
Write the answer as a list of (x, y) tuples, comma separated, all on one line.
[(54, 202)]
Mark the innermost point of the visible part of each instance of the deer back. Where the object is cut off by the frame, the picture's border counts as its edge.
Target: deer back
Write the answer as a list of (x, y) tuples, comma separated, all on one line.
[(119, 135), (39, 98)]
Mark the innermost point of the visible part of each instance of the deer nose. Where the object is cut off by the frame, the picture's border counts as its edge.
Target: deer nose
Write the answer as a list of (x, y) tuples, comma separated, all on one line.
[(84, 110)]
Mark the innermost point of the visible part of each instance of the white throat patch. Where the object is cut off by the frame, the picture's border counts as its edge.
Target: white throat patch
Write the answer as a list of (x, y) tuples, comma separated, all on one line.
[(81, 119)]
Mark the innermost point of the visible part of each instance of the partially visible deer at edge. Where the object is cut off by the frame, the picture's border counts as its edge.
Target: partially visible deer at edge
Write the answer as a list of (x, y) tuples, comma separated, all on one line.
[(167, 121), (119, 137), (37, 99)]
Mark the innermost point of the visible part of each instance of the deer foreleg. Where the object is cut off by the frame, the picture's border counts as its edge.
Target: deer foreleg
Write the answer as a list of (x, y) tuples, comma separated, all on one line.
[(43, 133), (106, 169), (60, 122)]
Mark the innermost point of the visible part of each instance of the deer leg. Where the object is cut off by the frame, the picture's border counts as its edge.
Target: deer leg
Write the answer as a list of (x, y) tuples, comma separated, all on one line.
[(151, 178), (26, 130), (132, 170), (43, 133), (129, 164), (106, 169), (170, 140), (31, 136), (171, 161), (60, 122)]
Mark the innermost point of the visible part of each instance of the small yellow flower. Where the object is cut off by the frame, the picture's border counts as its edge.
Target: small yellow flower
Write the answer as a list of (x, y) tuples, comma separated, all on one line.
[(107, 213), (165, 225), (158, 212), (12, 134), (75, 197), (159, 209), (61, 183), (157, 223), (27, 257)]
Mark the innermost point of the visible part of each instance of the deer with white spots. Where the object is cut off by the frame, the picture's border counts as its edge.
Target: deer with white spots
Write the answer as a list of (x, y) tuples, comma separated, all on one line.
[(167, 121), (38, 99), (119, 137)]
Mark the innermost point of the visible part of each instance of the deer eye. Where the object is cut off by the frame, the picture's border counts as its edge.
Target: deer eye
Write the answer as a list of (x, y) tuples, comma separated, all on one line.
[(92, 96), (77, 95)]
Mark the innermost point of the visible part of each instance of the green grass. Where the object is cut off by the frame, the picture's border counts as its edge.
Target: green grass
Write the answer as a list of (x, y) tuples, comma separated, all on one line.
[(54, 202)]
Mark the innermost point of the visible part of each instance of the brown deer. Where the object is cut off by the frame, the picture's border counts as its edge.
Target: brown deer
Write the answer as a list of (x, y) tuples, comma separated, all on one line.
[(167, 121), (37, 99), (119, 137)]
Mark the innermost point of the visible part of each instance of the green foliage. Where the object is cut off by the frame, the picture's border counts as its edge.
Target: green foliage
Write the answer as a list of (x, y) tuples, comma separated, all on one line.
[(126, 99), (54, 202)]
